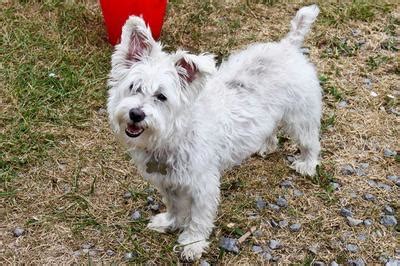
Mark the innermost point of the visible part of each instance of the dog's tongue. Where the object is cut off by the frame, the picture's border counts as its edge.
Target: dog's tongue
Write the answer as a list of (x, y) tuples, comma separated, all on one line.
[(134, 129)]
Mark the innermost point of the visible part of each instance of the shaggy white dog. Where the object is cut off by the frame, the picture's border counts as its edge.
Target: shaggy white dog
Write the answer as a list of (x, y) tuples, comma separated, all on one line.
[(184, 122)]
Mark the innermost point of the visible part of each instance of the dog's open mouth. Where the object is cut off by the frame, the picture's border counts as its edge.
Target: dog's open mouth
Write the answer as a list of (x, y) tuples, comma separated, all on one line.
[(133, 130)]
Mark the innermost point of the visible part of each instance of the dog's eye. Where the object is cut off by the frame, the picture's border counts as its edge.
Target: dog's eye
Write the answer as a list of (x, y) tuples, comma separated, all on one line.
[(161, 97), (139, 90), (131, 87)]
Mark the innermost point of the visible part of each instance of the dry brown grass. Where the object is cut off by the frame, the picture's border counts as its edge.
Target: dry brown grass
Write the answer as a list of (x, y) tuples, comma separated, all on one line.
[(71, 192)]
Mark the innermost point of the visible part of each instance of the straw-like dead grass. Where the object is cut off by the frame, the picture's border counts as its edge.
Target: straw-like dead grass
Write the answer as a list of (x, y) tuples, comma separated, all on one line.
[(63, 176)]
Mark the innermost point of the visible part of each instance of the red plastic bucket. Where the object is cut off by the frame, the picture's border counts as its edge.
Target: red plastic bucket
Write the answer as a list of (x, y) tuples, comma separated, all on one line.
[(116, 12)]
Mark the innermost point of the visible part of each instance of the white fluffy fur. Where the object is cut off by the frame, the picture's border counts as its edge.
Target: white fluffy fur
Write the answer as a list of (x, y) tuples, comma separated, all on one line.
[(212, 118)]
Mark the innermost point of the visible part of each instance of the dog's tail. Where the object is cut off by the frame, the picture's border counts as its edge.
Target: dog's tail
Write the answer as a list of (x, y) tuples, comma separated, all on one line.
[(301, 24)]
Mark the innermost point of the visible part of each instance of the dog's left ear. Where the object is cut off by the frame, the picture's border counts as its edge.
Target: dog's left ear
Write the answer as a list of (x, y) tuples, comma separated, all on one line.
[(193, 67)]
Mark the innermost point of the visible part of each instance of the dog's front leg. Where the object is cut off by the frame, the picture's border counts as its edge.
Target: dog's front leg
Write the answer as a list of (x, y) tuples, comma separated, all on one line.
[(203, 210)]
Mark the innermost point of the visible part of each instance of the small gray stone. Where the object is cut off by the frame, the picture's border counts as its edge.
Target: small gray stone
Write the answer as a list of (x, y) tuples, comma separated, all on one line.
[(372, 183), (393, 178), (298, 193), (355, 32), (258, 233), (76, 253), (18, 232), (334, 185), (347, 169), (295, 227), (388, 210), (353, 222), (110, 253), (129, 256), (229, 244), (313, 248), (389, 220), (260, 203), (389, 153), (127, 195), (274, 244), (281, 202), (256, 249), (393, 262), (273, 207), (274, 223), (369, 197), (356, 262), (290, 158), (368, 222), (136, 215), (368, 83), (150, 200), (92, 252), (352, 248), (266, 256), (334, 263), (362, 237), (346, 212), (398, 183), (155, 207), (283, 223), (384, 186), (287, 184), (85, 250), (342, 104), (275, 258), (204, 263), (87, 245), (318, 263), (360, 170)]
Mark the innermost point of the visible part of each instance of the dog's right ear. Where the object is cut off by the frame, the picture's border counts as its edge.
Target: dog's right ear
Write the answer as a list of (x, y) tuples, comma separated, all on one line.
[(136, 43)]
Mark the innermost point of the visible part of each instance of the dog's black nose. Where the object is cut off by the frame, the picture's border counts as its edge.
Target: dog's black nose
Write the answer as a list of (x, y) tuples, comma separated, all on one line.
[(136, 115)]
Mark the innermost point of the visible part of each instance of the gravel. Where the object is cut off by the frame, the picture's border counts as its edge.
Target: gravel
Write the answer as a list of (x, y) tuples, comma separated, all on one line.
[(290, 158), (393, 262), (229, 244), (372, 183), (266, 256), (389, 220), (305, 50), (352, 248), (388, 210), (384, 186), (256, 249), (274, 244), (356, 262), (389, 153), (87, 246), (129, 256), (258, 233), (362, 237), (136, 215), (295, 227), (281, 202), (318, 263), (353, 222), (127, 195), (18, 232), (369, 197), (314, 249), (334, 185), (342, 104), (283, 223), (347, 169), (273, 207), (274, 223), (150, 200), (334, 263), (260, 203), (287, 184), (155, 207), (393, 178), (368, 222), (298, 193), (346, 212), (361, 168), (368, 83), (110, 253)]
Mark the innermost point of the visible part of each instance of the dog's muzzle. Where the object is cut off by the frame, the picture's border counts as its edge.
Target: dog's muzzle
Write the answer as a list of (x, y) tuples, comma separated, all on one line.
[(134, 130)]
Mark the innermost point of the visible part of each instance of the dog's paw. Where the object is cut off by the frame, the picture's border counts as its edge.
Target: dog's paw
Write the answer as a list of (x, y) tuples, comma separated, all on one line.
[(268, 147), (193, 250), (305, 167), (161, 222)]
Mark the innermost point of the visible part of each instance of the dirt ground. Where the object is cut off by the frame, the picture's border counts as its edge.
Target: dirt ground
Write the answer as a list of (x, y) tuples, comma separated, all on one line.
[(70, 189)]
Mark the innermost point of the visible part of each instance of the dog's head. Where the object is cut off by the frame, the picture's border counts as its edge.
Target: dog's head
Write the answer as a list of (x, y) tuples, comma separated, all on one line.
[(150, 89)]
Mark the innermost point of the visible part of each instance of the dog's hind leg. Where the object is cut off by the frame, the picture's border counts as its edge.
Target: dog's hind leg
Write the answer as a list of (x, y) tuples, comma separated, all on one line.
[(305, 131)]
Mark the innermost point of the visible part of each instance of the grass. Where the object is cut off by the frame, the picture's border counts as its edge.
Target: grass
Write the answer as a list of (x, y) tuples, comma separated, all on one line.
[(63, 177)]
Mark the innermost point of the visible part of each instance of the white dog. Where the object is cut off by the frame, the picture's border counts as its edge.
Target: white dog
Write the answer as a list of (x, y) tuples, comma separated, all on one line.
[(184, 122)]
